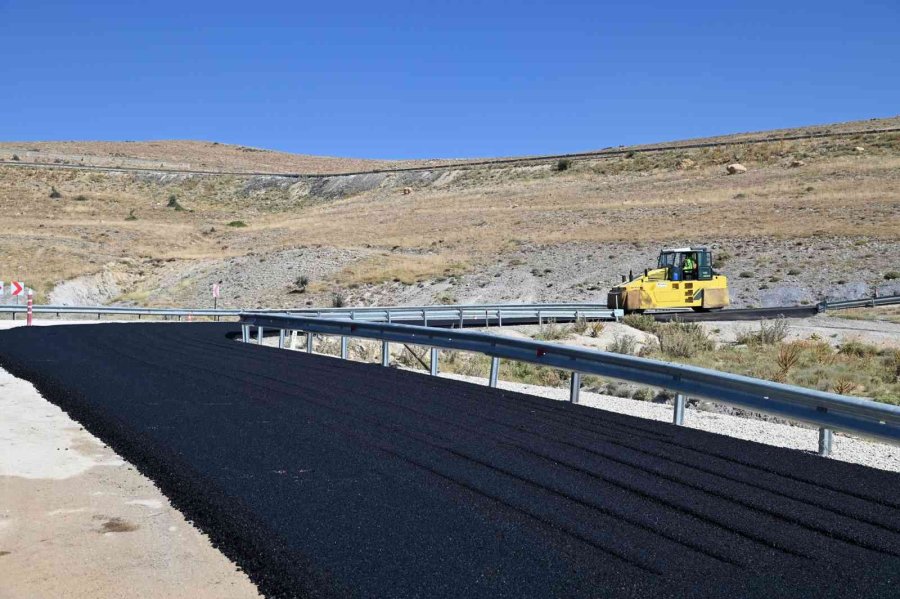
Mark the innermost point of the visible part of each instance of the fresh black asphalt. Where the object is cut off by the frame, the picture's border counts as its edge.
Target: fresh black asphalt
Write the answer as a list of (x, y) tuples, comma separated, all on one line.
[(327, 478)]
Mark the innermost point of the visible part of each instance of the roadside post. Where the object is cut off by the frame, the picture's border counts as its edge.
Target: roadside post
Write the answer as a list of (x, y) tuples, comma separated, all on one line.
[(30, 307), (215, 294)]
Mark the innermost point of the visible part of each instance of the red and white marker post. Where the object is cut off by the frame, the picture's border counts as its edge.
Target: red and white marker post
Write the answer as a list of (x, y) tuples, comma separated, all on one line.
[(30, 305)]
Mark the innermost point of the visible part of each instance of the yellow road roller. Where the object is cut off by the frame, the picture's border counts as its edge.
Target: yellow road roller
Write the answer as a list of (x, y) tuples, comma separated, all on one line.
[(683, 278)]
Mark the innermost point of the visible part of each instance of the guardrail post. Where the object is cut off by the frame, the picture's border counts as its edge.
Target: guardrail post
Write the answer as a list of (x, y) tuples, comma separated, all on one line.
[(259, 334), (460, 318), (343, 348), (495, 371), (499, 318), (434, 361), (385, 353), (293, 344), (574, 387), (540, 319), (245, 333), (826, 439), (309, 342), (678, 416), (281, 334)]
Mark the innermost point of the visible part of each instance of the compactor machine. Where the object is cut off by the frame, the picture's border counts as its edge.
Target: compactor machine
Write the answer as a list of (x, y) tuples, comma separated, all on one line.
[(683, 278)]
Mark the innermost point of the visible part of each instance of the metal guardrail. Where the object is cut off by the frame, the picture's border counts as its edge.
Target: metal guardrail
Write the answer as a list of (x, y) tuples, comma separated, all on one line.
[(827, 411), (463, 315), (872, 302)]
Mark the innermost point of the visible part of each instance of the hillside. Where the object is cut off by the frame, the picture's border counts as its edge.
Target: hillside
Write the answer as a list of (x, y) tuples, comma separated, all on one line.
[(810, 217)]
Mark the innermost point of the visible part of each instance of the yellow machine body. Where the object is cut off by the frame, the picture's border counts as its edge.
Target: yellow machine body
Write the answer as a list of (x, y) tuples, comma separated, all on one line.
[(670, 286)]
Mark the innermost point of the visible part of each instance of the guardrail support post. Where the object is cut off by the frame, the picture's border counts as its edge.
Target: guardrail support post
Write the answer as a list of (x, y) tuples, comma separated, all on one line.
[(678, 416), (281, 334), (293, 344), (826, 439), (499, 318), (245, 333), (434, 361), (343, 348), (574, 387), (460, 318), (495, 372), (385, 354), (259, 334), (309, 342)]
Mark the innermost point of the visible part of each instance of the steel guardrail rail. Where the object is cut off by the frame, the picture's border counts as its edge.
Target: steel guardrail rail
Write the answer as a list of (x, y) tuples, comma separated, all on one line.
[(828, 411), (465, 164), (486, 313)]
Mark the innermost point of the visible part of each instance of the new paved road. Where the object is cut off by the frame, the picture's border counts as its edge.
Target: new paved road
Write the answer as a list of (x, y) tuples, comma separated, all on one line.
[(326, 478)]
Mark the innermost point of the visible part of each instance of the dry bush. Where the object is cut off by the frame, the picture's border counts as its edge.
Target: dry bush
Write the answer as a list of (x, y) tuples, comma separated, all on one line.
[(623, 344), (683, 339), (596, 328), (770, 332), (788, 357), (859, 349), (641, 322), (551, 331)]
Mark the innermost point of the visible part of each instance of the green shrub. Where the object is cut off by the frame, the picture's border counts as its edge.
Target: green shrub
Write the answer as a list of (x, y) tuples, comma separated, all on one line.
[(173, 203), (794, 271), (237, 223), (641, 322), (746, 275), (15, 157), (338, 300), (131, 215), (54, 193), (683, 339), (891, 275), (858, 349), (81, 198), (563, 164)]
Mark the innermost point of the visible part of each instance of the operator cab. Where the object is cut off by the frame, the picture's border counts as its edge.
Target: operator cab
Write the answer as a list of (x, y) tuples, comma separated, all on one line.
[(686, 264)]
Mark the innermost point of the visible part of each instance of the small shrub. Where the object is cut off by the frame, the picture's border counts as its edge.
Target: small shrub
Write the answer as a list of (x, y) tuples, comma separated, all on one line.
[(173, 203), (237, 223), (843, 386), (746, 275), (794, 271), (623, 344), (54, 193), (683, 339), (595, 329), (788, 357), (563, 164), (641, 322), (338, 300), (770, 332), (722, 257), (15, 157), (81, 198), (551, 331), (580, 326), (131, 215), (890, 276), (858, 349)]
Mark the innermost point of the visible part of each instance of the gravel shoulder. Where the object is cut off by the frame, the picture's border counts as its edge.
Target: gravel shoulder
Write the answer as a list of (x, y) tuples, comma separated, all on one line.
[(77, 521)]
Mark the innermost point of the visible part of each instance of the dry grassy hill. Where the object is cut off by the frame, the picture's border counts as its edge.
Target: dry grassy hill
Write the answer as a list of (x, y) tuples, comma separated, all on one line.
[(809, 218)]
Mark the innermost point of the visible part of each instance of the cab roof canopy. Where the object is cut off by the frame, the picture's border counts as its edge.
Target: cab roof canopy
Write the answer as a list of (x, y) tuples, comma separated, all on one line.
[(685, 249)]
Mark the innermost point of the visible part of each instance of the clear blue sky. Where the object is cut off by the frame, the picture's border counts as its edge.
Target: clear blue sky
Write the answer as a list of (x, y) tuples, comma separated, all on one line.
[(440, 78)]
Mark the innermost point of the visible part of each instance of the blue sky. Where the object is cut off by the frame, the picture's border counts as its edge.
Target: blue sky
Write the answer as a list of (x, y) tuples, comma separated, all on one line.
[(440, 78)]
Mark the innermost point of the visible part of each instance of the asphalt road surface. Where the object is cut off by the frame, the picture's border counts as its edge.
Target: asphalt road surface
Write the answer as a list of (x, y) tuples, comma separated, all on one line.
[(327, 478)]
